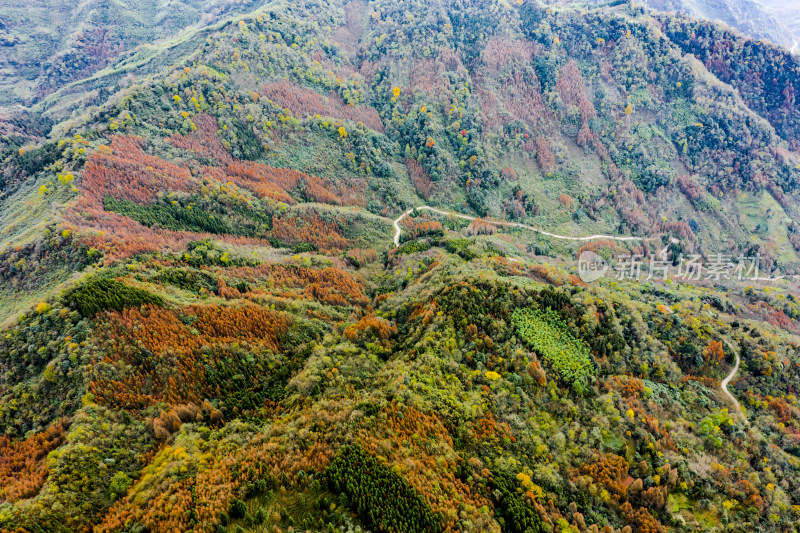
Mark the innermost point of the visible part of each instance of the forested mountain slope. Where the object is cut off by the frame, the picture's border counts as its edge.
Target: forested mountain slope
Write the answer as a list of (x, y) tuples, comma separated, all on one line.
[(207, 326), (45, 45), (774, 20)]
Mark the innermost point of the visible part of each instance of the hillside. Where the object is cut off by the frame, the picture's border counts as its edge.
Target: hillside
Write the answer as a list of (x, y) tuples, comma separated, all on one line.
[(774, 20), (788, 18), (46, 45), (208, 324)]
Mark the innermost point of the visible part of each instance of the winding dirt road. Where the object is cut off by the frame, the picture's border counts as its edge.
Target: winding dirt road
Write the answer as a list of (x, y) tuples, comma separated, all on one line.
[(728, 379), (397, 229)]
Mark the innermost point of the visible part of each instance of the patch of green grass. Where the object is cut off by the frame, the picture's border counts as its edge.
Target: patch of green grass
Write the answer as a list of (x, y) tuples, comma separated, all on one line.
[(762, 215), (682, 505)]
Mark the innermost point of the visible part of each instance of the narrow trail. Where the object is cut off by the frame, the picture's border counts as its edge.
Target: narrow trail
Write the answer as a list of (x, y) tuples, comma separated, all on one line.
[(728, 379), (397, 229)]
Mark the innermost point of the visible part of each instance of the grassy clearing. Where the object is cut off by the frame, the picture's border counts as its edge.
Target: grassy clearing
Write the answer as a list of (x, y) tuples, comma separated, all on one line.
[(764, 217)]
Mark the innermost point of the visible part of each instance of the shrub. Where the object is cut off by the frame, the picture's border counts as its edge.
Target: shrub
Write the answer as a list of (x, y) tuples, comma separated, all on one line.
[(238, 509), (461, 247), (413, 247)]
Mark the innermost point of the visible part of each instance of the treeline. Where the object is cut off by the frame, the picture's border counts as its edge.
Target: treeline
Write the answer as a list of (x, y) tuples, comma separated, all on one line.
[(169, 216), (105, 294)]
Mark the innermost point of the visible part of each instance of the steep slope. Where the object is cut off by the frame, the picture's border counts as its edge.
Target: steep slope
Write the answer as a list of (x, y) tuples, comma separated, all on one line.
[(208, 326), (787, 15), (578, 123), (758, 19), (46, 44)]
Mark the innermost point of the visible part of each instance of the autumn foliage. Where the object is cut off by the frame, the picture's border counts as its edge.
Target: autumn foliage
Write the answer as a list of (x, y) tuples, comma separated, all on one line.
[(329, 285), (610, 472), (309, 227), (544, 155), (303, 102), (370, 327), (419, 178), (127, 170), (277, 183), (204, 140), (420, 226), (196, 502), (166, 354), (23, 469)]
